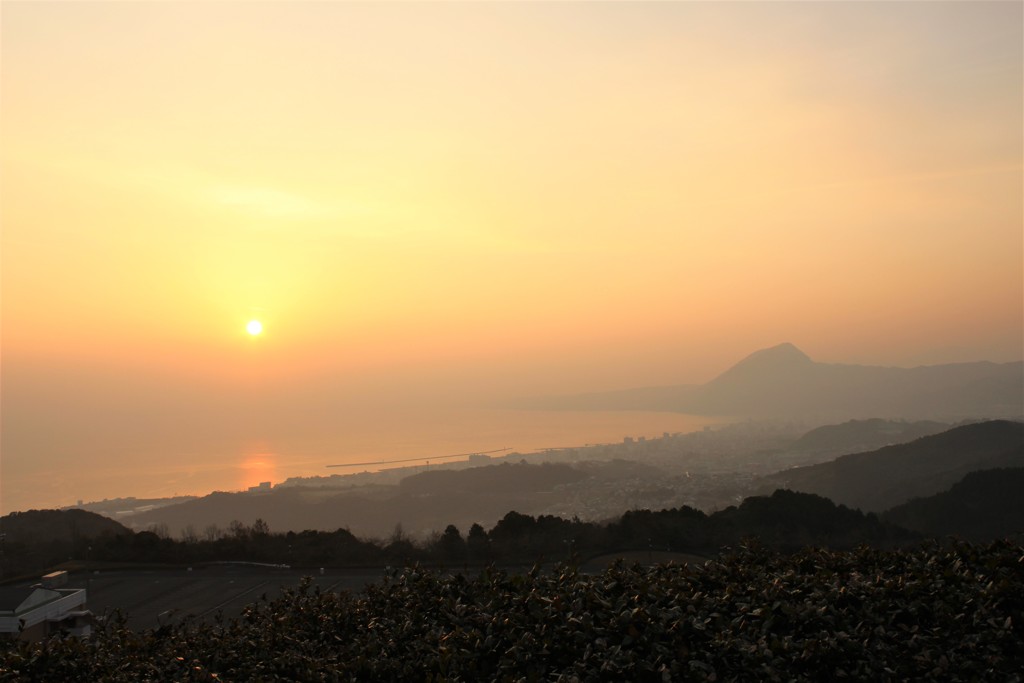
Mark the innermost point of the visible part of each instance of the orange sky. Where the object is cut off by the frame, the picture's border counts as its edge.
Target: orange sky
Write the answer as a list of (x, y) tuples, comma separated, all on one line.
[(457, 201)]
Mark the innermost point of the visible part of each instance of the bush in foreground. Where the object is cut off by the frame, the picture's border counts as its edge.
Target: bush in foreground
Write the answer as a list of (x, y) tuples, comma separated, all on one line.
[(943, 613)]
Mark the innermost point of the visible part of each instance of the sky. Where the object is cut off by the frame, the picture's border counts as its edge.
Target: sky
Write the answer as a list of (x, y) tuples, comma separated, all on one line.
[(436, 204)]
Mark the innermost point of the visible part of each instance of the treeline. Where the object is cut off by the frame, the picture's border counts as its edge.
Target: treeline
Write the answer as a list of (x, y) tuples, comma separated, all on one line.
[(785, 521)]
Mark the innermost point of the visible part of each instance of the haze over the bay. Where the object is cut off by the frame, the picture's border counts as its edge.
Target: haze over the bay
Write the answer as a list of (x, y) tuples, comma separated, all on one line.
[(434, 207)]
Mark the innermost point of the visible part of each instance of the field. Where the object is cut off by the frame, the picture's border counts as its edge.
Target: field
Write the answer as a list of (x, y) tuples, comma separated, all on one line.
[(951, 613)]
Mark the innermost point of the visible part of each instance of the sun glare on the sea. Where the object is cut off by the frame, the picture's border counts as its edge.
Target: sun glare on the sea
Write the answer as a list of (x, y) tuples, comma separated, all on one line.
[(254, 327)]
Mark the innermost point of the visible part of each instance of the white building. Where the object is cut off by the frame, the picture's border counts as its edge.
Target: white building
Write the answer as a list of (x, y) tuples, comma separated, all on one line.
[(35, 612)]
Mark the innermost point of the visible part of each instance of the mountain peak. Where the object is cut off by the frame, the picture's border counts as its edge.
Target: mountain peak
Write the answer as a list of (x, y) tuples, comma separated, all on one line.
[(769, 364), (782, 354)]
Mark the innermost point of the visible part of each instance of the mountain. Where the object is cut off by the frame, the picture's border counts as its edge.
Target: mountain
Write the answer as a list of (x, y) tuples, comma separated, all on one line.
[(981, 507), (783, 382), (880, 479)]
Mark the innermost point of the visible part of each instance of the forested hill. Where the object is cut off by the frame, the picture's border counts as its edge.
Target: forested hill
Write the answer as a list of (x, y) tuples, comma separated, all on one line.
[(33, 526), (984, 505), (881, 479)]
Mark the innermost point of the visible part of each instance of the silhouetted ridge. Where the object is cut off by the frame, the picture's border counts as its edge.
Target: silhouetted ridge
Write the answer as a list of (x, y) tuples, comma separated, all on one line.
[(789, 519), (33, 526), (983, 506), (878, 480)]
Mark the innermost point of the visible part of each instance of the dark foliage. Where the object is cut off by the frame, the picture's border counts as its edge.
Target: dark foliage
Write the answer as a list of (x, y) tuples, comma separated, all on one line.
[(790, 520), (938, 613), (983, 506), (35, 539), (59, 525), (784, 520)]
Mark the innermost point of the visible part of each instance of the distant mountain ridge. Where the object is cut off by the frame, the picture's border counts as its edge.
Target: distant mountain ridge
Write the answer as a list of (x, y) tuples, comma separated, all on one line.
[(878, 480), (856, 436), (783, 382)]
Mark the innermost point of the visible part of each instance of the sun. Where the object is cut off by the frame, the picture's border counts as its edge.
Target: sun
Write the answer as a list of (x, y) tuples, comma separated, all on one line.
[(254, 327)]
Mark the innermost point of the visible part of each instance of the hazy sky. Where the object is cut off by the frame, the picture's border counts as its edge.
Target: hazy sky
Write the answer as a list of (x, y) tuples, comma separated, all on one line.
[(436, 202)]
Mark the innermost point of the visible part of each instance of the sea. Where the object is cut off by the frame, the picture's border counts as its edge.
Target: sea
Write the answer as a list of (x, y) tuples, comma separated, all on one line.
[(351, 442)]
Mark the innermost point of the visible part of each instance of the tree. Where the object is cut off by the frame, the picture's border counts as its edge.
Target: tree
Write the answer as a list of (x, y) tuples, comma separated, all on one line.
[(160, 530), (189, 535), (400, 548), (238, 530), (514, 526), (451, 546), (478, 544), (260, 528)]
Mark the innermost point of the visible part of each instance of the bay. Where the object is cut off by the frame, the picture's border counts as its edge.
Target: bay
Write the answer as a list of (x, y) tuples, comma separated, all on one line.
[(352, 439)]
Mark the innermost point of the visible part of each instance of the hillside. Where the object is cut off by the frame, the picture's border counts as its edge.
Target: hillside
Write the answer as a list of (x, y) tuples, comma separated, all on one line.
[(475, 480), (120, 507), (881, 479), (58, 526), (43, 538), (856, 436), (983, 506), (783, 382), (421, 503)]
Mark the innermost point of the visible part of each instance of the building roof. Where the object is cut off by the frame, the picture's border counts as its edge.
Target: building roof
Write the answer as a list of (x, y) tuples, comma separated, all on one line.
[(12, 597), (14, 600)]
